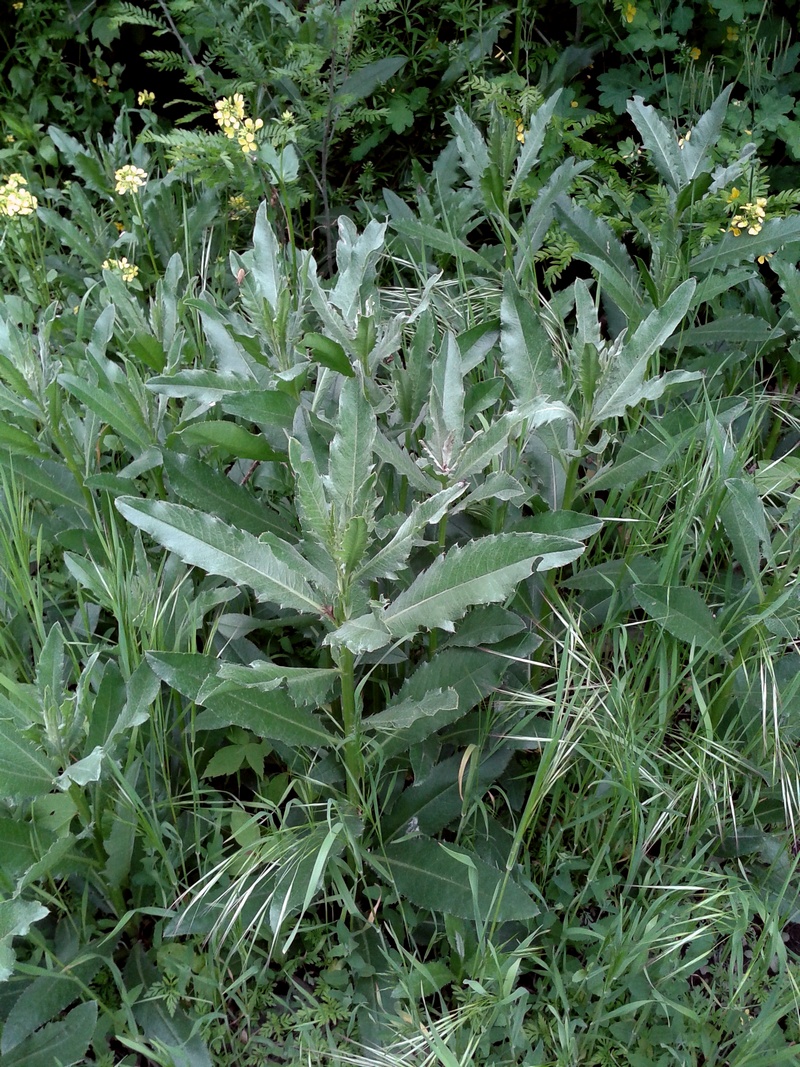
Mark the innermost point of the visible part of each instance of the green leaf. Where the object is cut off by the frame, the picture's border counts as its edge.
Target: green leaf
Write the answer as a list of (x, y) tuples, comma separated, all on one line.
[(440, 241), (682, 612), (729, 250), (185, 671), (356, 257), (659, 139), (731, 330), (233, 439), (404, 714), (64, 1042), (745, 522), (481, 572), (327, 352), (199, 484), (267, 259), (16, 917), (110, 409), (532, 146), (471, 146), (526, 349), (25, 771), (364, 81), (430, 876), (203, 541), (350, 463), (305, 685), (446, 403), (207, 386), (622, 384), (272, 714)]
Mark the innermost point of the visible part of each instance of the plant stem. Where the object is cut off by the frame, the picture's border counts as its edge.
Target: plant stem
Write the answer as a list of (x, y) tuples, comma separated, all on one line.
[(352, 742)]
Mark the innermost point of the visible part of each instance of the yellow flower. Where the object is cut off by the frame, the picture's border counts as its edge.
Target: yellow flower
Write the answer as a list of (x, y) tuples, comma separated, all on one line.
[(574, 103), (99, 81), (10, 138), (520, 127), (127, 271), (731, 33), (750, 218), (128, 179), (695, 53), (629, 12), (763, 259), (145, 98), (246, 134), (686, 137), (15, 199), (18, 6), (288, 116), (230, 113), (734, 195)]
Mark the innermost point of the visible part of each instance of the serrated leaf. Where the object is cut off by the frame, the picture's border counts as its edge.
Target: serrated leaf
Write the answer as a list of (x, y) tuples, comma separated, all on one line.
[(204, 541), (199, 484), (364, 81), (527, 353), (272, 715), (16, 917), (109, 408), (25, 771), (64, 1042), (471, 146), (745, 523), (403, 715), (356, 257), (532, 145), (233, 439), (266, 259), (312, 503), (481, 572), (682, 612), (350, 463), (428, 875), (185, 671), (659, 139), (206, 386), (305, 685), (704, 136)]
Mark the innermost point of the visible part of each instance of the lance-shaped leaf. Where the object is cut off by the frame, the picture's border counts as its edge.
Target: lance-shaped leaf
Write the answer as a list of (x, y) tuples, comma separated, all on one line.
[(266, 259), (527, 353), (446, 403), (305, 685), (745, 523), (404, 714), (389, 560), (273, 715), (350, 463), (659, 139), (532, 145), (471, 146), (206, 542), (482, 572), (542, 211), (682, 612), (695, 155), (312, 504), (24, 769), (430, 876), (356, 257), (622, 383)]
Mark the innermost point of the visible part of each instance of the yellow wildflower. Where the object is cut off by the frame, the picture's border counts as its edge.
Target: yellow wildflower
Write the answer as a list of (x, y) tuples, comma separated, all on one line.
[(574, 103), (246, 134), (128, 179), (127, 271), (287, 116), (629, 12), (763, 259), (750, 218), (686, 137), (230, 114), (520, 128), (18, 6), (145, 98), (731, 33), (695, 53), (99, 81), (10, 138), (15, 199), (734, 194)]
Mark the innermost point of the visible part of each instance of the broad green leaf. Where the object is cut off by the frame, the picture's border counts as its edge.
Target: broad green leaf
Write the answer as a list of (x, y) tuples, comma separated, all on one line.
[(532, 146), (526, 349), (201, 485), (542, 211), (660, 141), (446, 403), (305, 685), (482, 572), (350, 463), (204, 541), (682, 612), (356, 257), (17, 442), (745, 522), (272, 715), (233, 439), (695, 153), (266, 259), (432, 803), (207, 386), (51, 668), (185, 671), (403, 715), (389, 560), (16, 917), (730, 330), (440, 241), (98, 398), (730, 251), (64, 1042), (471, 146), (47, 997), (312, 503), (364, 81), (231, 357), (622, 384), (174, 1031), (25, 771), (428, 875)]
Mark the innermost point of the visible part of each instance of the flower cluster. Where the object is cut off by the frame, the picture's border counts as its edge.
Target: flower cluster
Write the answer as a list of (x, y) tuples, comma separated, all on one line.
[(629, 13), (235, 124), (145, 98), (750, 218), (15, 198), (128, 179), (128, 271), (520, 126)]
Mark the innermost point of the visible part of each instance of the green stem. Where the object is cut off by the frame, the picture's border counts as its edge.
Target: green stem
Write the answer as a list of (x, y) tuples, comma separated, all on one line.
[(352, 742)]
